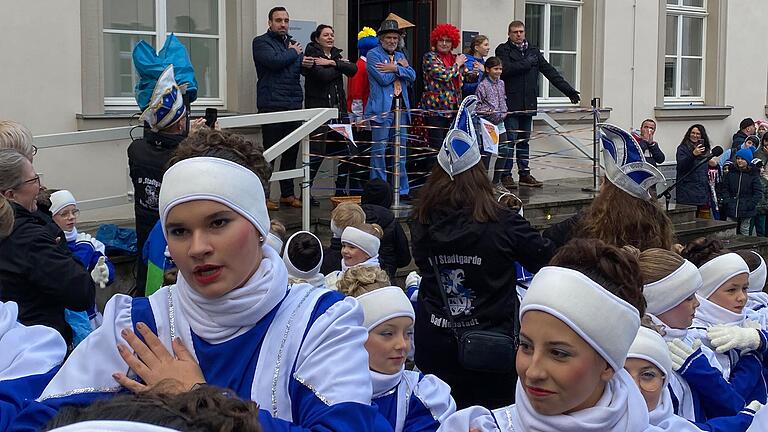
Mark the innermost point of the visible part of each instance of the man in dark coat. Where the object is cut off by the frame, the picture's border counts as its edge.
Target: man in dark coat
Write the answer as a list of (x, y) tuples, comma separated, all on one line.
[(746, 128), (395, 251), (522, 64), (278, 60)]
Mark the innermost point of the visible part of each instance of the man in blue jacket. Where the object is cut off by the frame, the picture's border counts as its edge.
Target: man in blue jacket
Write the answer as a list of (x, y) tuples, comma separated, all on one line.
[(389, 75), (278, 61)]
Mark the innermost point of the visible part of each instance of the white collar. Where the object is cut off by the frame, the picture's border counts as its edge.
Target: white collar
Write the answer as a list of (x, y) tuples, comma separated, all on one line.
[(370, 262), (664, 417), (384, 383), (709, 314)]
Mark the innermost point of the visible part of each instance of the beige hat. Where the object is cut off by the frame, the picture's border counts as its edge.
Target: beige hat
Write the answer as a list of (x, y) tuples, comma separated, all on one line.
[(402, 24)]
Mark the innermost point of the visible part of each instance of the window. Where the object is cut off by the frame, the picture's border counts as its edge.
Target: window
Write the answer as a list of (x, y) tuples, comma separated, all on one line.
[(684, 53), (553, 27), (199, 25)]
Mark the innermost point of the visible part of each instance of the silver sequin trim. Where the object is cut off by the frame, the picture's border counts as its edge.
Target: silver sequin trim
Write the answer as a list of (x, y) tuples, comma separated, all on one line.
[(82, 391), (509, 419), (387, 393), (171, 314), (319, 395), (276, 373)]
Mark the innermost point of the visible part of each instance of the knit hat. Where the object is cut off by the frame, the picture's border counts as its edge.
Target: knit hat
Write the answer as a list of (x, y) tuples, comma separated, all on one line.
[(573, 298), (460, 151), (650, 346), (360, 239), (166, 106), (384, 304), (745, 154), (275, 242), (61, 199), (716, 271), (292, 269), (219, 180), (366, 40), (377, 192), (757, 276), (747, 122), (671, 290), (625, 164)]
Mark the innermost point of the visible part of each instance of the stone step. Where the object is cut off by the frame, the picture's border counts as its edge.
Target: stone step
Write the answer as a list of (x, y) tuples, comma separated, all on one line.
[(741, 242), (688, 231)]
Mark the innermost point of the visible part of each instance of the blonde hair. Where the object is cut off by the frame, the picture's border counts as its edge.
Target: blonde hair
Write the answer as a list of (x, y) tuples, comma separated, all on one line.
[(6, 217), (16, 136), (347, 214), (278, 228), (655, 263), (373, 229), (359, 280)]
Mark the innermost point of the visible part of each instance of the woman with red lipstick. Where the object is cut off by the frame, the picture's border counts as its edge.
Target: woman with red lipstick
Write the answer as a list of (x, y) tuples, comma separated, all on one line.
[(408, 401), (231, 320), (570, 364)]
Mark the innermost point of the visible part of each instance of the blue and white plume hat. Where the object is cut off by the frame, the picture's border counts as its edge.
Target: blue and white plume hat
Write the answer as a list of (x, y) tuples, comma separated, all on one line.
[(460, 150), (625, 164), (166, 106)]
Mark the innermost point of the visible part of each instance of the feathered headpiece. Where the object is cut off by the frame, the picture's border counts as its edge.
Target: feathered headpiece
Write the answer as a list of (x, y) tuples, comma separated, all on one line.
[(460, 150), (444, 31), (625, 164)]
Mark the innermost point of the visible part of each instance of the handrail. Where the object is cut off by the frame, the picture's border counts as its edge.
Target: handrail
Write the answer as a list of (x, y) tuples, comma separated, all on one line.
[(312, 118)]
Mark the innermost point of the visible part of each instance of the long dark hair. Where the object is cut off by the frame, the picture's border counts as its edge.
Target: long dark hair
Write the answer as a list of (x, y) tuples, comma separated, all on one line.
[(704, 136), (469, 190)]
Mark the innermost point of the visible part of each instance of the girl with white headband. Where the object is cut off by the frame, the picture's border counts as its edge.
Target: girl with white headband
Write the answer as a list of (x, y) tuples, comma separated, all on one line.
[(359, 246), (697, 387), (720, 322), (757, 299), (231, 320), (570, 364), (650, 365), (407, 400), (303, 257)]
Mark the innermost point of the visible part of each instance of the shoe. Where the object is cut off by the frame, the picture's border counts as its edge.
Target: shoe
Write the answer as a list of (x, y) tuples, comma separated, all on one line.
[(314, 202), (508, 182), (529, 180), (272, 206), (501, 189), (291, 201)]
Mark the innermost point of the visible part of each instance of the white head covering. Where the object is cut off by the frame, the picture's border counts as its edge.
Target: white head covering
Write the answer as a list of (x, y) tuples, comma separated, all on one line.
[(460, 150), (625, 164), (574, 299), (650, 346), (61, 199), (384, 304), (360, 239), (757, 276), (219, 180), (275, 242), (716, 271), (166, 106), (671, 290), (112, 426), (295, 272)]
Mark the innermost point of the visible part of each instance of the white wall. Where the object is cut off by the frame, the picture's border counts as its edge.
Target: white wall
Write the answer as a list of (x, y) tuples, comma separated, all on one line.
[(489, 17), (40, 72)]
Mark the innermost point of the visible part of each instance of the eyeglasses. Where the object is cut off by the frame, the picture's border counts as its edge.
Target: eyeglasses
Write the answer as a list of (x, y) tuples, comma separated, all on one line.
[(650, 380), (445, 41), (35, 179), (70, 213), (34, 150)]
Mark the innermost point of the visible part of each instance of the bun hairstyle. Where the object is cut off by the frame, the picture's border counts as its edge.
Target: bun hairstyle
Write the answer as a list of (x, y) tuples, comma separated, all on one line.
[(616, 270), (655, 263), (359, 280), (319, 30), (6, 218), (304, 251), (703, 249), (749, 257), (373, 229)]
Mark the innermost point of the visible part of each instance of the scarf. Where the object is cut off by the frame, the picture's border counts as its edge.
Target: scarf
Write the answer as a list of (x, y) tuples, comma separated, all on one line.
[(620, 409), (667, 332), (664, 418), (709, 314), (522, 46), (223, 318), (383, 383), (448, 60), (71, 235), (370, 262)]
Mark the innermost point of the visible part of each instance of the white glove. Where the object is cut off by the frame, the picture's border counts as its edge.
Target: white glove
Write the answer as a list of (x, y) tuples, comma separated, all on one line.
[(679, 351), (726, 338), (755, 406), (413, 279), (752, 324), (100, 273)]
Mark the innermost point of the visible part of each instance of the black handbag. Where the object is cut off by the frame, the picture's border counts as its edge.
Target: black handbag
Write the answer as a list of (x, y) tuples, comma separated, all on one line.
[(480, 350)]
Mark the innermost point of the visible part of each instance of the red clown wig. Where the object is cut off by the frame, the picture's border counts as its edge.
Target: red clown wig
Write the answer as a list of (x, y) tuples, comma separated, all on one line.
[(444, 31)]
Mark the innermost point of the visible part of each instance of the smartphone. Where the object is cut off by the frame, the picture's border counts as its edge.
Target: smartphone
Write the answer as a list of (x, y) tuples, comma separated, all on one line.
[(211, 115)]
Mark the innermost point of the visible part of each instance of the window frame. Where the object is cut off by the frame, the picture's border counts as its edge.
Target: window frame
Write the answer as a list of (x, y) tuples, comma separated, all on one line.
[(680, 12), (122, 103), (545, 99)]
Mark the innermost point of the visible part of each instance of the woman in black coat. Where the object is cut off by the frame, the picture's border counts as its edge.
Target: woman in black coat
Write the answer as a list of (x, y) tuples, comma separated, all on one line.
[(693, 189), (324, 88)]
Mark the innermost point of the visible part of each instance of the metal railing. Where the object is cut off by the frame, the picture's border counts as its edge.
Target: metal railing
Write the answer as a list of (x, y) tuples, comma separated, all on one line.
[(312, 118)]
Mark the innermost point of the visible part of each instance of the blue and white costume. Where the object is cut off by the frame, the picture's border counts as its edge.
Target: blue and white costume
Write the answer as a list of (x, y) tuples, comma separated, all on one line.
[(29, 357), (757, 301), (297, 351), (568, 295)]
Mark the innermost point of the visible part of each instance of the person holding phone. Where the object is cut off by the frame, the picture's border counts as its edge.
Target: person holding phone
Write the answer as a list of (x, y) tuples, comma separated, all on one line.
[(694, 188)]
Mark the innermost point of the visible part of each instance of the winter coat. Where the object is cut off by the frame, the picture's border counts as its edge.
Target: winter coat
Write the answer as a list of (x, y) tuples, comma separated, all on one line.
[(491, 100), (762, 155), (278, 69), (324, 85), (476, 262), (762, 206), (39, 273), (694, 189), (738, 139), (395, 251), (655, 155), (521, 76), (441, 92), (469, 88), (744, 191), (331, 257)]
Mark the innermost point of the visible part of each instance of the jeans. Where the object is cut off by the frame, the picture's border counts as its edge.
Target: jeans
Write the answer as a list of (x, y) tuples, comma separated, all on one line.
[(271, 134), (383, 134), (518, 131), (330, 143)]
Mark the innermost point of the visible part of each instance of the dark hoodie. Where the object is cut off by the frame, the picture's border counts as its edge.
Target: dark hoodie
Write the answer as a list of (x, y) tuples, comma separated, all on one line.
[(744, 191), (394, 251), (476, 262)]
